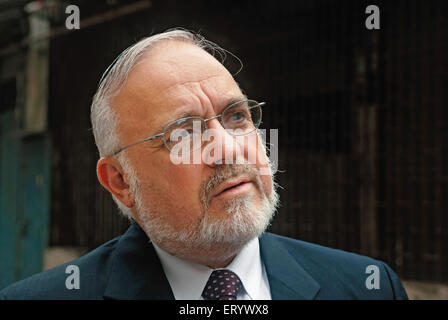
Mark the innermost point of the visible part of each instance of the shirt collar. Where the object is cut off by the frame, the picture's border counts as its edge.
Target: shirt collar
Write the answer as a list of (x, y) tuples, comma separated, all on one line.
[(188, 279), (247, 265)]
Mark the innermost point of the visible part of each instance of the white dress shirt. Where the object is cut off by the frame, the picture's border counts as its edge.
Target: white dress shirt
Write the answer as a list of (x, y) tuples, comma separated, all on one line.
[(188, 279)]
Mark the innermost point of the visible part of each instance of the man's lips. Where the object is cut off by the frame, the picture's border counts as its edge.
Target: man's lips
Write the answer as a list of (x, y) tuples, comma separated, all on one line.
[(231, 184)]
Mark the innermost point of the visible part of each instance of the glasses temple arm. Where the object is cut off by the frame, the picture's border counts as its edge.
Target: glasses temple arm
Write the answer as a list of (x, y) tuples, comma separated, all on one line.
[(135, 143)]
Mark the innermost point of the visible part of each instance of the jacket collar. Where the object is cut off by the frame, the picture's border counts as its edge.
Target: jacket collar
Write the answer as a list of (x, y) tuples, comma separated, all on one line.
[(287, 278), (136, 272)]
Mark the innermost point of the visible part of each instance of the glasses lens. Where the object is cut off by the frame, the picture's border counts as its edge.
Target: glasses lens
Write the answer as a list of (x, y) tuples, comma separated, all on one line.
[(242, 118), (184, 135)]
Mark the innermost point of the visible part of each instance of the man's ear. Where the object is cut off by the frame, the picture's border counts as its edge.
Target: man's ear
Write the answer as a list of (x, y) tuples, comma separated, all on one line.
[(111, 176)]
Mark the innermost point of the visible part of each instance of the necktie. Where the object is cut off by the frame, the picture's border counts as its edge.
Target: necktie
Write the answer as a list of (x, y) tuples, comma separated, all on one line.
[(222, 285)]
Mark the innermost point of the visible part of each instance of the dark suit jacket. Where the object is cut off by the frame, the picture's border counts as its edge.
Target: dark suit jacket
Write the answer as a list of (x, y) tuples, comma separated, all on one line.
[(128, 267)]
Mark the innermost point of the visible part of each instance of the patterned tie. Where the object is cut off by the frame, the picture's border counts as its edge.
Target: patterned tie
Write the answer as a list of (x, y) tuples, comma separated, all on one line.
[(222, 285)]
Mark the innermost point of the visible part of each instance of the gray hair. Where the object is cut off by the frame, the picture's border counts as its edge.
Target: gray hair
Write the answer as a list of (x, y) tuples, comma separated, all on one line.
[(103, 117)]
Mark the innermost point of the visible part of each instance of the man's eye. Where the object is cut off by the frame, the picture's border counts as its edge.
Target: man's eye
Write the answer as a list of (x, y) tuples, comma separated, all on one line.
[(187, 132), (237, 117)]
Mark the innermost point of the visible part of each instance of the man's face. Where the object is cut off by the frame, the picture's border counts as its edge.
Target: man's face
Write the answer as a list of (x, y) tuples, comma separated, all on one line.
[(174, 80)]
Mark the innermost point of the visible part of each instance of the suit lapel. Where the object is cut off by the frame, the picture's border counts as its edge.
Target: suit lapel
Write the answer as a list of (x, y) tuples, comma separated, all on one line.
[(287, 279), (137, 273), (136, 270)]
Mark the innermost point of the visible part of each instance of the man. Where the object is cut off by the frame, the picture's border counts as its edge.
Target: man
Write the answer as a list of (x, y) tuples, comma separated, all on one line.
[(181, 156)]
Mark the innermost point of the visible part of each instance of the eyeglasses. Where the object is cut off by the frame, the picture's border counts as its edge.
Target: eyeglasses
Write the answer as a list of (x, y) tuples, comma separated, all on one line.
[(239, 118)]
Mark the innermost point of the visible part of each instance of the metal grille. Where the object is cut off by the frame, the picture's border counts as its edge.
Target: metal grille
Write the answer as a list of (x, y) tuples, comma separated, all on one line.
[(361, 117), (412, 193)]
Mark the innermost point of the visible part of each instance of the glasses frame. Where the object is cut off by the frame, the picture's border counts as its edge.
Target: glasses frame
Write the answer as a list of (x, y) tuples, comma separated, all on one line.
[(219, 116)]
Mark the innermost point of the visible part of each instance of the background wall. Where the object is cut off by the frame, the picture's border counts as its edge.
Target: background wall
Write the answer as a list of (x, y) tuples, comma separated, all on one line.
[(361, 116)]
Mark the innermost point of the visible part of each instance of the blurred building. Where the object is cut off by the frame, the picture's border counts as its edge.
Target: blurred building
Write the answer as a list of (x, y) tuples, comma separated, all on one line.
[(361, 115)]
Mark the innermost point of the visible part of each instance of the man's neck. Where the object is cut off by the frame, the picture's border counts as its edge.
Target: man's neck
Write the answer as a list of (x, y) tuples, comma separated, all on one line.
[(219, 256)]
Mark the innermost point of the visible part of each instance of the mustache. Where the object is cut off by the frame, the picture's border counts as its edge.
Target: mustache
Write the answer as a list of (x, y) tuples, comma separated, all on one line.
[(225, 172)]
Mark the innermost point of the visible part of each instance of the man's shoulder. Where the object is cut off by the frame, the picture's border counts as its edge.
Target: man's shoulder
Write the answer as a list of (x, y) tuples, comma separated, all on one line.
[(312, 251), (341, 271), (61, 282)]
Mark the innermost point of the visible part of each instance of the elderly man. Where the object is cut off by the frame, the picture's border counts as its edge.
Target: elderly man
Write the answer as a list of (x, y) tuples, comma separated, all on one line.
[(181, 156)]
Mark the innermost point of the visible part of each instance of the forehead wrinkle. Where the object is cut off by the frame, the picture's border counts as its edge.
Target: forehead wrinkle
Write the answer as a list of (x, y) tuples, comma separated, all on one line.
[(203, 95), (223, 99), (159, 77), (184, 84), (184, 91)]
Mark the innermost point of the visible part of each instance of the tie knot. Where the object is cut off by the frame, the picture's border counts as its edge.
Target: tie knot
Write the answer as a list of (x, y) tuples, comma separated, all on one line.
[(222, 285)]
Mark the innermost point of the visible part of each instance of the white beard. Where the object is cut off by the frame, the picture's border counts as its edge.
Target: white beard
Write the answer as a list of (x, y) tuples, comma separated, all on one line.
[(242, 226), (209, 237)]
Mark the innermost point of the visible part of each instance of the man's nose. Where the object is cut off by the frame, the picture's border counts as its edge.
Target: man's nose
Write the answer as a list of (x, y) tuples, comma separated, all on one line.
[(221, 147)]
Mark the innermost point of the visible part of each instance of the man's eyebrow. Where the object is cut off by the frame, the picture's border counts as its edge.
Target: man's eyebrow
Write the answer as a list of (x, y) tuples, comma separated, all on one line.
[(233, 100), (179, 116), (236, 99), (184, 114)]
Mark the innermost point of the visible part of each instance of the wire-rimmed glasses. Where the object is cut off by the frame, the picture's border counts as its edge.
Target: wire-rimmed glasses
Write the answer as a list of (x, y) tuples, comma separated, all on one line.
[(239, 118)]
